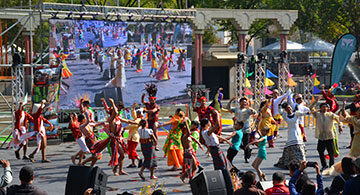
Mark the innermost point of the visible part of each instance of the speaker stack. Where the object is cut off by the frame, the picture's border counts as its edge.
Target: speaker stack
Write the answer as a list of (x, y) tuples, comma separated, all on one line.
[(80, 178)]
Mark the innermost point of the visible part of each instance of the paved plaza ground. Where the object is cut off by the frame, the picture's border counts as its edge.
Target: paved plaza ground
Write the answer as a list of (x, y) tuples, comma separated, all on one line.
[(52, 176)]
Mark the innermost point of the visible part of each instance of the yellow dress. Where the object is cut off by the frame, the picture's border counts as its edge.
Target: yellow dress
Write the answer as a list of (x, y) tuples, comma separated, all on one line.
[(267, 121)]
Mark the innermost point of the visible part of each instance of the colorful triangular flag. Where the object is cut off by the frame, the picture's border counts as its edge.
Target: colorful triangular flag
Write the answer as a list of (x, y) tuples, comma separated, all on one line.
[(269, 74), (316, 82), (248, 92), (316, 90), (269, 82), (312, 99), (314, 75), (247, 83), (335, 85), (291, 82), (290, 75), (267, 91), (249, 74)]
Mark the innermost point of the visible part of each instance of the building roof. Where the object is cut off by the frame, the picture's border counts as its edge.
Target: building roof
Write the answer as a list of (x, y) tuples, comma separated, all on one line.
[(291, 46), (319, 45)]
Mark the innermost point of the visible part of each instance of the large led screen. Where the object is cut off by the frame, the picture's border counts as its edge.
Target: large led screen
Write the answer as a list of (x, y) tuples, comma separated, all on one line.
[(114, 59)]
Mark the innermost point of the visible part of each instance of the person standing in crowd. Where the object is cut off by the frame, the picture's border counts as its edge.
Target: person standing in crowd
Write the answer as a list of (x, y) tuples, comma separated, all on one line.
[(309, 186), (324, 132), (26, 177), (294, 150), (279, 187), (337, 185), (147, 139), (243, 113), (7, 178), (249, 185), (352, 186), (354, 106)]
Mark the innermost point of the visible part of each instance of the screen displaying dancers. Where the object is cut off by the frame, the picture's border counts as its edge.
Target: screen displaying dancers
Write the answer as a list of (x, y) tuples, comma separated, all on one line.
[(115, 59)]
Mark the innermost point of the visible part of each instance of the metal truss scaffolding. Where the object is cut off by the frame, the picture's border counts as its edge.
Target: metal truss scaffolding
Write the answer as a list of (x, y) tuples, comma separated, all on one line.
[(283, 77), (240, 79), (260, 75), (308, 89)]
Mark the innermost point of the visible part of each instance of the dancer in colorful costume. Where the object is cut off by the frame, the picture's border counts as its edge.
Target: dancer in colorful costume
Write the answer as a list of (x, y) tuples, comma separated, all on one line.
[(40, 133), (20, 134), (173, 148), (117, 145)]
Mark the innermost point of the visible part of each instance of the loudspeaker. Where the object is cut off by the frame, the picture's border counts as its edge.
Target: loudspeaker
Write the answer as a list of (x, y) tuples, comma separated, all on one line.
[(80, 178), (216, 182)]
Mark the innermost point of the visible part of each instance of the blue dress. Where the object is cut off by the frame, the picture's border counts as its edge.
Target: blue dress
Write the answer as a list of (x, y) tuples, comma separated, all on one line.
[(262, 148)]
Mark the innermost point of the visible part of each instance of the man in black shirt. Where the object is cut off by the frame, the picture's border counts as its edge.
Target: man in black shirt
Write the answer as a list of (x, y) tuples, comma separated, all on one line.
[(26, 177)]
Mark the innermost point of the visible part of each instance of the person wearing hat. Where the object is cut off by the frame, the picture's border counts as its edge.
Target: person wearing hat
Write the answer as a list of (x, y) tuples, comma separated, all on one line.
[(26, 177), (352, 186), (208, 112), (354, 106), (152, 110), (324, 131), (20, 131), (40, 132)]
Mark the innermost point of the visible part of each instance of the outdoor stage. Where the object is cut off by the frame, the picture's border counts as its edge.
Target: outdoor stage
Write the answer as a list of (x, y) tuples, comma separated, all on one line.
[(52, 176)]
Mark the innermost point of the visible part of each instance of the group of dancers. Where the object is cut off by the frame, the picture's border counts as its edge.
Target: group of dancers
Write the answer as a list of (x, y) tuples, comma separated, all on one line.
[(251, 127)]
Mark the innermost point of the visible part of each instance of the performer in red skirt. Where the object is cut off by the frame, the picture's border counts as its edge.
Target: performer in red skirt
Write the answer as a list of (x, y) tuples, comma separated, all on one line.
[(20, 130), (40, 132), (117, 145), (190, 161)]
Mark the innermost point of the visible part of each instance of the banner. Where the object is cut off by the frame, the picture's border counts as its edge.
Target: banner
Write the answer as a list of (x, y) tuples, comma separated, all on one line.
[(343, 51)]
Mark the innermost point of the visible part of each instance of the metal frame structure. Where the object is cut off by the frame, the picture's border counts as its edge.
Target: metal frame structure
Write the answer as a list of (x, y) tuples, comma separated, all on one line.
[(308, 89), (283, 77), (259, 89), (240, 79)]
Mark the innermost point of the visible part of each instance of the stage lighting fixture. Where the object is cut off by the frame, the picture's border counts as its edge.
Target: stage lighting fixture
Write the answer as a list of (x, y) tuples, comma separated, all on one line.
[(283, 54), (106, 17), (241, 57), (54, 15), (260, 57), (130, 18), (68, 16), (185, 20), (94, 16), (81, 16), (174, 19)]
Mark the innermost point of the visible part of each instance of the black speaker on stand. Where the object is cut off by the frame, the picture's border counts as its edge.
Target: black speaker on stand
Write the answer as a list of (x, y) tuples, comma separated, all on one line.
[(80, 178), (216, 182)]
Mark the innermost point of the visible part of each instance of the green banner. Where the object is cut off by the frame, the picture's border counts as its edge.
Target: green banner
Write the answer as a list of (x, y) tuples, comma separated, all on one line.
[(343, 51)]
